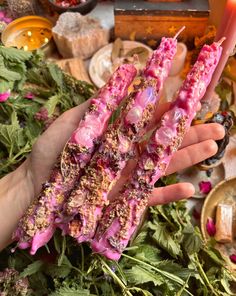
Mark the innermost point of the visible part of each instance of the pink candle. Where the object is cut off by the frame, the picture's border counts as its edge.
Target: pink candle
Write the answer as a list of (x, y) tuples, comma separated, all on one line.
[(226, 29)]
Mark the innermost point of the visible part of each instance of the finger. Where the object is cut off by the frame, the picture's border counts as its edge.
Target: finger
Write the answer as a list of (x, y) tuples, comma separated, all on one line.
[(191, 155), (202, 132), (171, 193)]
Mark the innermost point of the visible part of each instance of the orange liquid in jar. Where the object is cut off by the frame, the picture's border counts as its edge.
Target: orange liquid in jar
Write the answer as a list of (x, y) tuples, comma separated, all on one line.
[(29, 38)]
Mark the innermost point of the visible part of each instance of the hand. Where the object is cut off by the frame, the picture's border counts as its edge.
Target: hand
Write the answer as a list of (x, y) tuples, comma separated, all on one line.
[(26, 181)]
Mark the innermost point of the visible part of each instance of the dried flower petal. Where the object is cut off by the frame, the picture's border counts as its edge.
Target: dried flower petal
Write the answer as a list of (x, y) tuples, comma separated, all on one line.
[(29, 95), (42, 114), (210, 227), (233, 258), (4, 18), (4, 96), (205, 186)]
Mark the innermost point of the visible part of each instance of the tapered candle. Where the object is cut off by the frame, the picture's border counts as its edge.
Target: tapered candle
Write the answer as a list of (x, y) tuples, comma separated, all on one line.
[(226, 29)]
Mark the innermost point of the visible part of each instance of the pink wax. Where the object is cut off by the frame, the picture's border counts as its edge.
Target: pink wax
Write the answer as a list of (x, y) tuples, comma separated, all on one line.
[(226, 29)]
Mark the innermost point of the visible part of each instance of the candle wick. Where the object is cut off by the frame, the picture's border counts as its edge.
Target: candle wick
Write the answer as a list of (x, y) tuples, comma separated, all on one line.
[(179, 32), (221, 40)]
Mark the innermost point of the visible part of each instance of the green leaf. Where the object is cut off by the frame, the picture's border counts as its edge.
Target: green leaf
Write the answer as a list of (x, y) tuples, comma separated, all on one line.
[(66, 291), (13, 54), (139, 290), (5, 85), (61, 271), (8, 74), (56, 74), (51, 104), (138, 275), (192, 241), (107, 289), (141, 237), (148, 253), (12, 135), (32, 130), (174, 268), (215, 255), (32, 268), (226, 282), (35, 76), (39, 284), (164, 239)]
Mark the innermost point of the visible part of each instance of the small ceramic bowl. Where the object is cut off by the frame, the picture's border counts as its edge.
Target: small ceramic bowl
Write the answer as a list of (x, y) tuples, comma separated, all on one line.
[(82, 8)]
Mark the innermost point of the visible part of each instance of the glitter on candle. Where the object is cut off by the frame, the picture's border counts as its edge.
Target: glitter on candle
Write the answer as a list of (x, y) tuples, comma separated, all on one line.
[(46, 40), (29, 33), (25, 47)]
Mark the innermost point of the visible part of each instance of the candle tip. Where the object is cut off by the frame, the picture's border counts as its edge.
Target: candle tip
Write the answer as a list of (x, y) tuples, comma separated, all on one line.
[(179, 32), (221, 41)]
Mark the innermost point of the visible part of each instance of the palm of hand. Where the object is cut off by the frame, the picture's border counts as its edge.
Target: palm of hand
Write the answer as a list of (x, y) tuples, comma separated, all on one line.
[(198, 145)]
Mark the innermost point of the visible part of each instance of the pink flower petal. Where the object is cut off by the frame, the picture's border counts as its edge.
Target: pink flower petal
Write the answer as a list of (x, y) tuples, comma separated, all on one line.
[(210, 227), (29, 95), (205, 187), (2, 14), (7, 20), (233, 258), (4, 96)]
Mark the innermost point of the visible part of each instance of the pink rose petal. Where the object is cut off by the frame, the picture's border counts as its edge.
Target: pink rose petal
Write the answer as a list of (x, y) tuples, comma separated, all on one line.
[(7, 20), (233, 258), (205, 187), (4, 96), (210, 227)]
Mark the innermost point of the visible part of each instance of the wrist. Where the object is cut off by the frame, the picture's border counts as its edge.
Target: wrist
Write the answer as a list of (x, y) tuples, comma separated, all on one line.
[(16, 193)]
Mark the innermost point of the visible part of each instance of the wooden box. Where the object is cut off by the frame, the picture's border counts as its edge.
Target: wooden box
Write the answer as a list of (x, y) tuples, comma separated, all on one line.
[(148, 21)]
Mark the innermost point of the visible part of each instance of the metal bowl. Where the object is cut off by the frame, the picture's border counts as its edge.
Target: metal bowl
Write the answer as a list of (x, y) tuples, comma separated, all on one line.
[(82, 8)]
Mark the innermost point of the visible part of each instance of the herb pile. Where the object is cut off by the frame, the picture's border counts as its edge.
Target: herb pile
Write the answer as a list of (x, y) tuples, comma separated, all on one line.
[(167, 256), (39, 92)]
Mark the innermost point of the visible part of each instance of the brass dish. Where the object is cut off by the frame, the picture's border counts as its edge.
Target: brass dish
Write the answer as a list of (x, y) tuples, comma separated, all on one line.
[(223, 191), (15, 34)]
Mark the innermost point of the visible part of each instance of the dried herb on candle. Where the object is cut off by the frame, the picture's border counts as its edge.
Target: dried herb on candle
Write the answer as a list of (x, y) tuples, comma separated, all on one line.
[(22, 73), (167, 257)]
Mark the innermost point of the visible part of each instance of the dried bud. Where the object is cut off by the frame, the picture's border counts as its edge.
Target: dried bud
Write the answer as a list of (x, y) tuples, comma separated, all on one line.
[(205, 187), (4, 96), (233, 258)]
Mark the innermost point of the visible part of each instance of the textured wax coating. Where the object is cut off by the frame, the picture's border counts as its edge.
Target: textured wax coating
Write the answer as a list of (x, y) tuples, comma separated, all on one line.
[(37, 226), (84, 207), (123, 216)]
